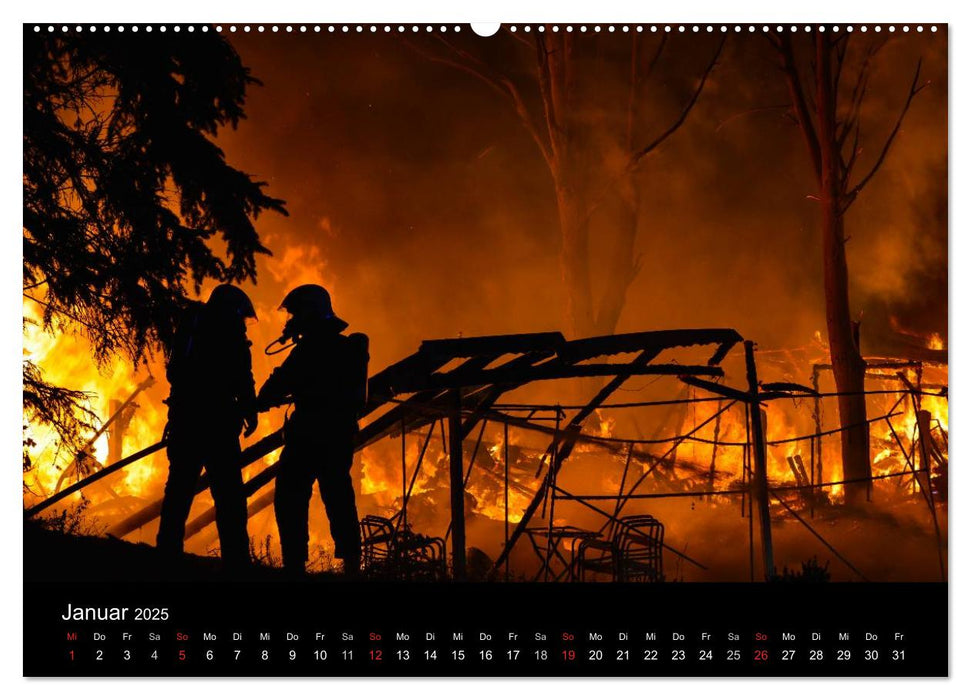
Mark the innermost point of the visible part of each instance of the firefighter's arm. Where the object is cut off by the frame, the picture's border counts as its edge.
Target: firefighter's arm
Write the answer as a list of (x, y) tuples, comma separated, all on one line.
[(277, 388), (358, 371), (247, 390)]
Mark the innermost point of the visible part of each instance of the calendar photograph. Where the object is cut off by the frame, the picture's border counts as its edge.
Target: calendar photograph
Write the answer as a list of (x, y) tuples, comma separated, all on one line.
[(578, 326)]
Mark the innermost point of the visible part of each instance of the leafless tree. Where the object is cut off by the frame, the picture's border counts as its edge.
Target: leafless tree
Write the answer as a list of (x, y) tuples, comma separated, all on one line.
[(555, 109), (828, 111)]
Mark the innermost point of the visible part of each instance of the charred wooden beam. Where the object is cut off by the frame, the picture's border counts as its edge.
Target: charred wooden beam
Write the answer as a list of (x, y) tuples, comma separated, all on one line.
[(554, 369), (385, 384), (77, 486), (493, 345), (717, 389), (656, 341), (781, 390), (431, 404), (878, 363), (788, 388), (435, 354), (411, 409)]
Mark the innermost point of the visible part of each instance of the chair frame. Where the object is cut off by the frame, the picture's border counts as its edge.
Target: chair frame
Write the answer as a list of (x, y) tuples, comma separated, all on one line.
[(399, 552), (635, 553)]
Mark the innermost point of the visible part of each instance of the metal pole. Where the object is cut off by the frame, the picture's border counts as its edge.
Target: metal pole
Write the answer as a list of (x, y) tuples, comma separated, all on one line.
[(468, 472), (414, 476), (620, 491), (812, 478), (456, 483), (818, 419), (714, 448), (404, 477), (760, 484), (550, 545), (505, 463), (919, 371), (747, 470)]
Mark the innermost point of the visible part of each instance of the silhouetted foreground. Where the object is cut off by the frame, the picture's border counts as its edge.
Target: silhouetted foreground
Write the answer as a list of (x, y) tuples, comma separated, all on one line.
[(54, 556)]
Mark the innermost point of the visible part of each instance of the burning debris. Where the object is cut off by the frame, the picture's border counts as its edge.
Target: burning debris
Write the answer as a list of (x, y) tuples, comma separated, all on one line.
[(438, 425)]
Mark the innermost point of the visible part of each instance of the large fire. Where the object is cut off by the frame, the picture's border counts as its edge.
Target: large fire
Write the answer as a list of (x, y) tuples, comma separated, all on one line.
[(66, 361), (710, 461), (430, 214)]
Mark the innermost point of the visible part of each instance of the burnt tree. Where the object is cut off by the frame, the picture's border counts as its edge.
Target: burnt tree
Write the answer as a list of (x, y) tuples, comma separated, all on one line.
[(593, 153), (829, 116)]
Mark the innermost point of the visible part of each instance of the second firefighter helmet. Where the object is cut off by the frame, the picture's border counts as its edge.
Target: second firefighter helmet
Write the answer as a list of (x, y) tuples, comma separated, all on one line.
[(231, 299), (311, 303)]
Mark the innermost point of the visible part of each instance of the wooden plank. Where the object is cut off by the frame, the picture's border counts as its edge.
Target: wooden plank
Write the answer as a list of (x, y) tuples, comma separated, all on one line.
[(657, 341), (549, 371), (87, 481)]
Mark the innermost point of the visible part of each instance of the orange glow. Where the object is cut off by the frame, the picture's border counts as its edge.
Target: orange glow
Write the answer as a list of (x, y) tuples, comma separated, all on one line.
[(448, 226)]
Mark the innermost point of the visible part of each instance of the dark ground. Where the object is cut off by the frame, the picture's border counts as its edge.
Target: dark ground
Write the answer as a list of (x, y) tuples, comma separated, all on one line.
[(55, 556)]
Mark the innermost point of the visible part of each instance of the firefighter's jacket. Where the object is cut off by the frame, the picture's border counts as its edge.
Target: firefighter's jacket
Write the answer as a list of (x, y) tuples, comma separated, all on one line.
[(325, 378), (210, 369)]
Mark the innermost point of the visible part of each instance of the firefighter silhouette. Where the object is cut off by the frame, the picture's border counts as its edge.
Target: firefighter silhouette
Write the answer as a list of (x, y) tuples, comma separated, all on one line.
[(325, 378), (212, 398)]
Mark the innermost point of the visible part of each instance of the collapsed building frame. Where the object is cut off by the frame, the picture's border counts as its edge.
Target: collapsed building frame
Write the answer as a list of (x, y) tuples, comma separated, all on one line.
[(460, 381)]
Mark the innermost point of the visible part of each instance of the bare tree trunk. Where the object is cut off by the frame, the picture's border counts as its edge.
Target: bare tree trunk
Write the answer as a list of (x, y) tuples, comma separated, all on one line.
[(848, 367), (575, 255), (623, 266), (586, 315)]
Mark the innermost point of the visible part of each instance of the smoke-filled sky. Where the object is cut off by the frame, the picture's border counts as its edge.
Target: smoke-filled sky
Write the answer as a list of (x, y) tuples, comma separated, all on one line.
[(417, 196)]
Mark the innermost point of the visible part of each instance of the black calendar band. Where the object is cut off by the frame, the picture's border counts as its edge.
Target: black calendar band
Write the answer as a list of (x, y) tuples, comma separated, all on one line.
[(346, 629)]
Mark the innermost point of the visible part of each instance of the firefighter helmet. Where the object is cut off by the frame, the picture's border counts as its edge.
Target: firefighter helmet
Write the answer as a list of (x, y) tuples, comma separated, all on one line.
[(232, 299), (311, 302)]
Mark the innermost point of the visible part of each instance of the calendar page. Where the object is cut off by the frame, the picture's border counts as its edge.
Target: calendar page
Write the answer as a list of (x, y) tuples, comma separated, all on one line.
[(518, 350)]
